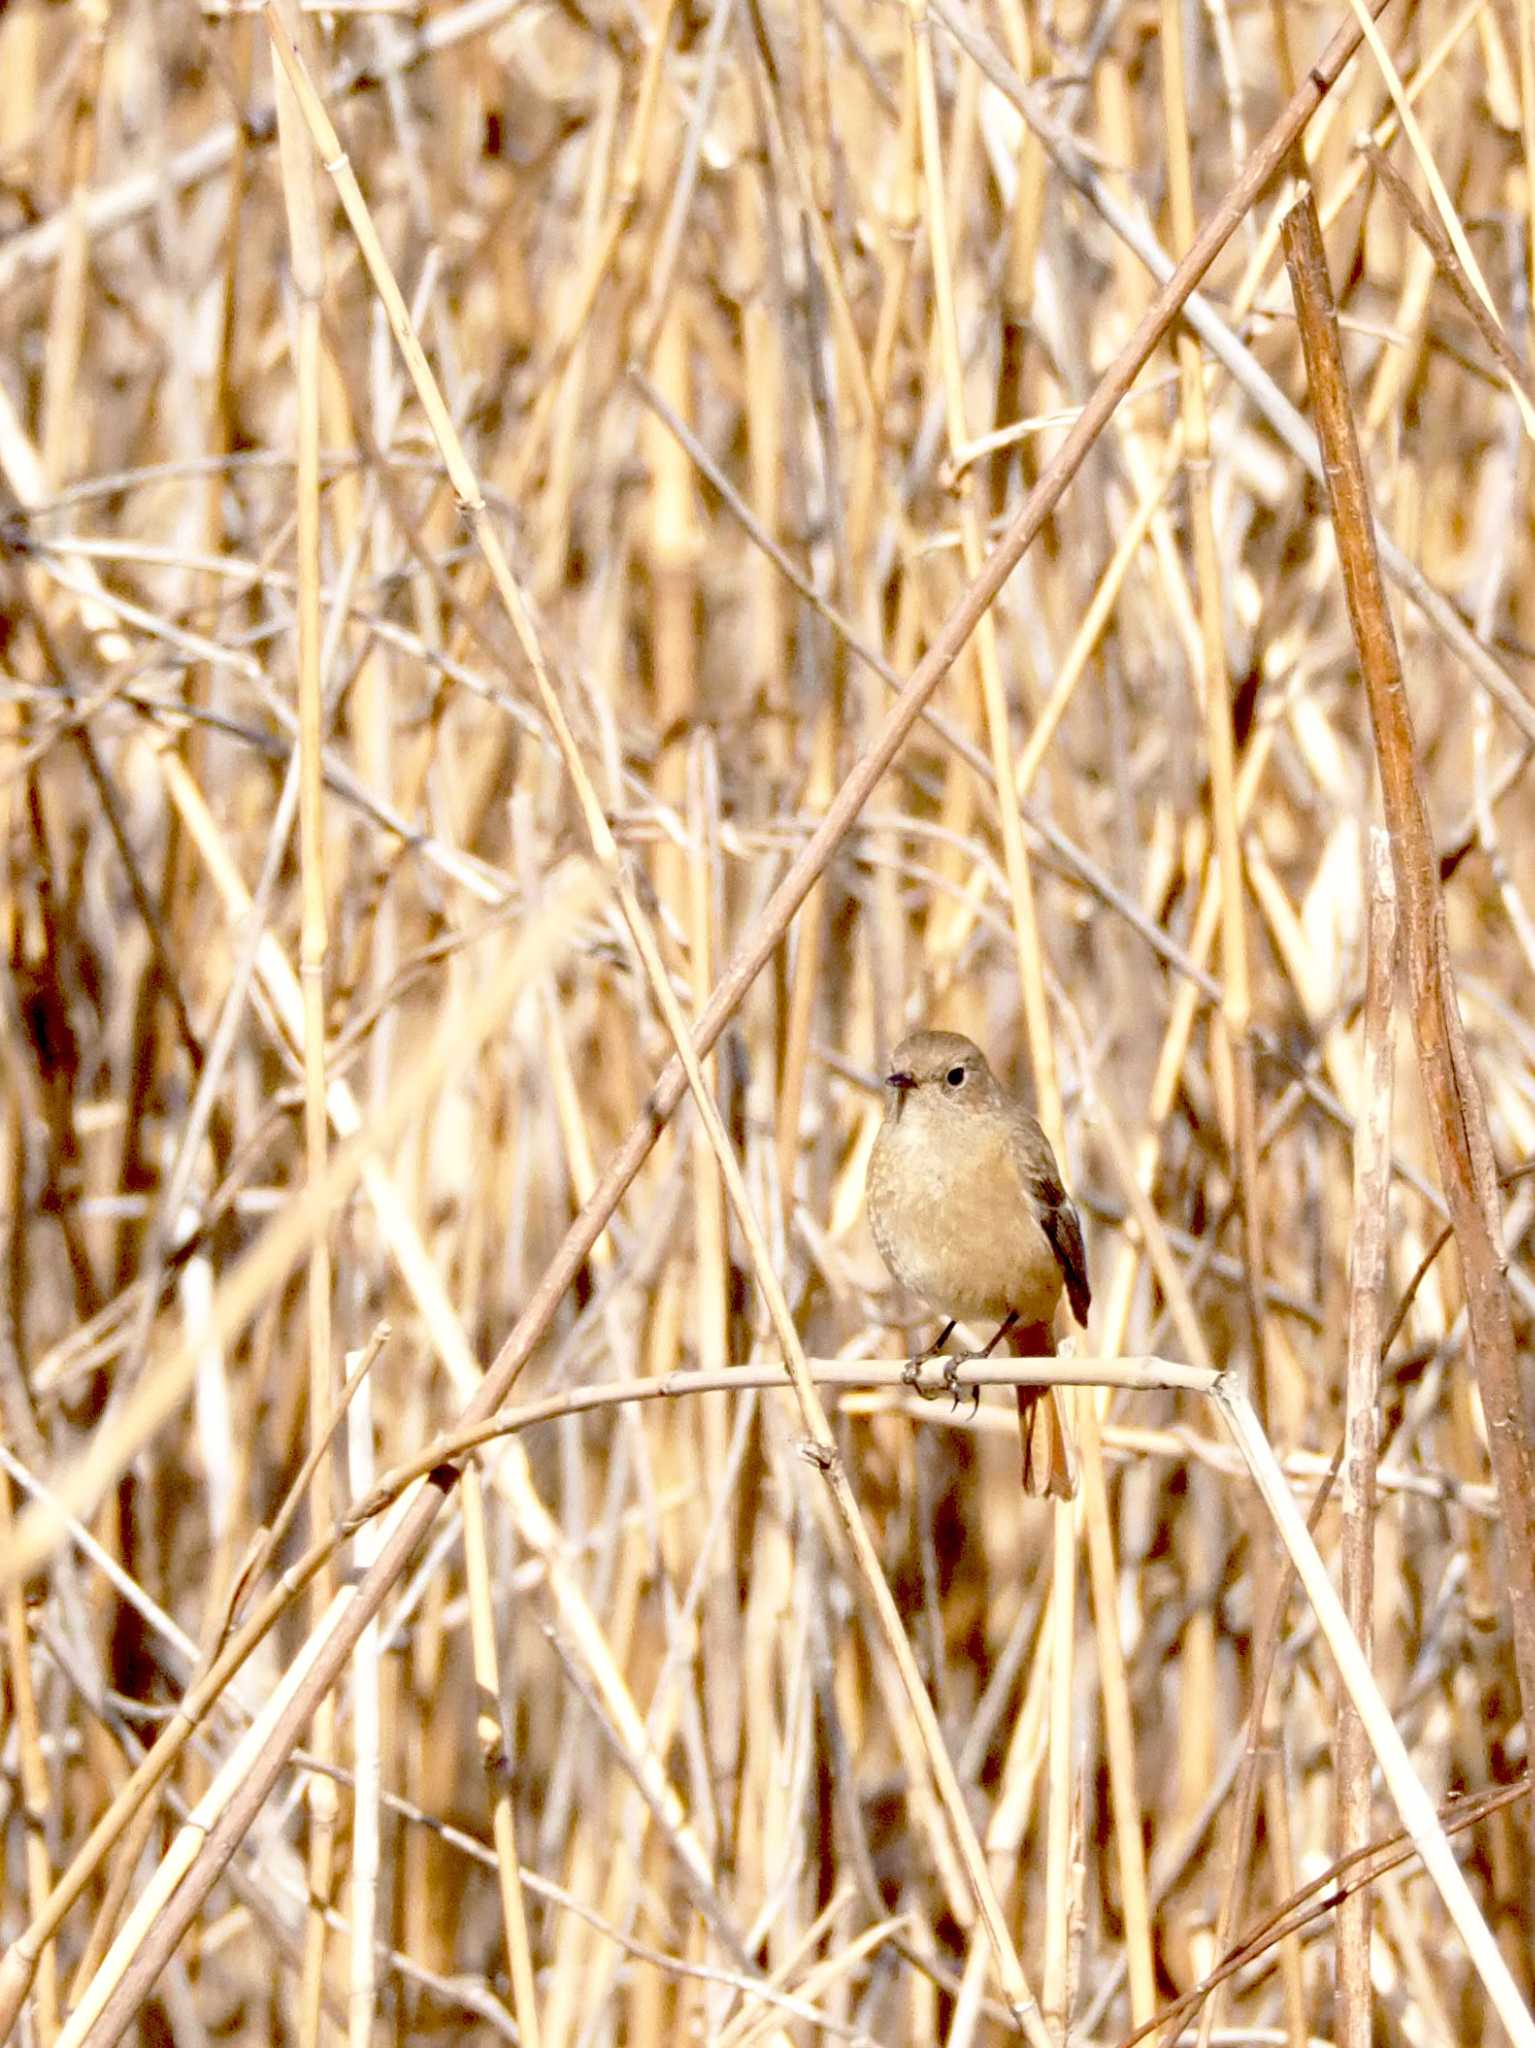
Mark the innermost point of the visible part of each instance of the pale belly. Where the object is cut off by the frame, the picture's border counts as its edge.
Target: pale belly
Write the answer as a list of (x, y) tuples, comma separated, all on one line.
[(960, 1233)]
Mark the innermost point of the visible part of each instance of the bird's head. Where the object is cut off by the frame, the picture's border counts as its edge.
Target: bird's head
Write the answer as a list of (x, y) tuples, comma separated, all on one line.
[(940, 1073)]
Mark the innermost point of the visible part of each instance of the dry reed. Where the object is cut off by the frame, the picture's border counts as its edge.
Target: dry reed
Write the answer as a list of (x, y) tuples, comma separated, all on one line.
[(562, 581)]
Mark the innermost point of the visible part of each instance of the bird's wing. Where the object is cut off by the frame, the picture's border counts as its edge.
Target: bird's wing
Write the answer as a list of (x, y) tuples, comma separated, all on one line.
[(1057, 1214)]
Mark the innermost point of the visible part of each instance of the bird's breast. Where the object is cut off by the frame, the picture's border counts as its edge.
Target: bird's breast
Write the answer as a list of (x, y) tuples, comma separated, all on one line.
[(954, 1223)]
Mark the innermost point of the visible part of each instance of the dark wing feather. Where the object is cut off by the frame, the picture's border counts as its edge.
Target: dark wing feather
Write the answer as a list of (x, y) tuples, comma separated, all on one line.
[(1063, 1227), (1058, 1219)]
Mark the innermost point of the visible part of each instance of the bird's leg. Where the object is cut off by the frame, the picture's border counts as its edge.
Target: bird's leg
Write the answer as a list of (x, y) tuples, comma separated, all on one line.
[(951, 1381), (912, 1372), (951, 1370), (1001, 1331)]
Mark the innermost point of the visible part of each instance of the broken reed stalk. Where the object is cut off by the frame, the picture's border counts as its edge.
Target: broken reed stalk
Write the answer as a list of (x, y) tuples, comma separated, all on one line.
[(1417, 1810), (1367, 1274), (1244, 1800), (325, 1658), (1452, 1095)]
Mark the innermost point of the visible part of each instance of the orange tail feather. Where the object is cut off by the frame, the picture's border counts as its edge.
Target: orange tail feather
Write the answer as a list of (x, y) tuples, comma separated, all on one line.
[(1049, 1469)]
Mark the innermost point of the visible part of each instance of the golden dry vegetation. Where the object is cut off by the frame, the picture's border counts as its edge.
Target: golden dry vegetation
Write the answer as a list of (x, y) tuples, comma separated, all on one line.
[(473, 501)]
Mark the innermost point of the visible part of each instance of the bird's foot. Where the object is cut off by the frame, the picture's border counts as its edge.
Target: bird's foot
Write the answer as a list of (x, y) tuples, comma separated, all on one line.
[(955, 1387), (911, 1375), (911, 1372)]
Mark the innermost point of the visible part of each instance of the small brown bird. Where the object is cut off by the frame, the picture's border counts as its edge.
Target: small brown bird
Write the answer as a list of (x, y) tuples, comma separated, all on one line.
[(967, 1208)]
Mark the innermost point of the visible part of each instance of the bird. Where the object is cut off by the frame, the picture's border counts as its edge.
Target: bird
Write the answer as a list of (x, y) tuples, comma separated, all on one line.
[(966, 1205)]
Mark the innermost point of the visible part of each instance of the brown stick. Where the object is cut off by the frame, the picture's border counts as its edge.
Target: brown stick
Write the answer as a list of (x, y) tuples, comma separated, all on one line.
[(1453, 1098), (761, 943)]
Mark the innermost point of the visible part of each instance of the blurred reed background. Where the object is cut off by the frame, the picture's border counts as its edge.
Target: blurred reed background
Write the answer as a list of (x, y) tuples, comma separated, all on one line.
[(755, 325)]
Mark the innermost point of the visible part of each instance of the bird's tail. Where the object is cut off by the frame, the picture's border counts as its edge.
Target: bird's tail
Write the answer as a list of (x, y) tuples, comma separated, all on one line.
[(1049, 1460)]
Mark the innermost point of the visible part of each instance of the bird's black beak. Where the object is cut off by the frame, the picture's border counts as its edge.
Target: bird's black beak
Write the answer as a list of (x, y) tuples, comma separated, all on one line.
[(901, 1083)]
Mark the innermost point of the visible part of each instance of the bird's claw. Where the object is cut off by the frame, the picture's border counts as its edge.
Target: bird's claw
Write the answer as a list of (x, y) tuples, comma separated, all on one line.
[(954, 1386), (911, 1374)]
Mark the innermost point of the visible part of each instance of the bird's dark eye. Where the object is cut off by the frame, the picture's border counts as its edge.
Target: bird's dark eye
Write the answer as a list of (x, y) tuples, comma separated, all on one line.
[(955, 1077)]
